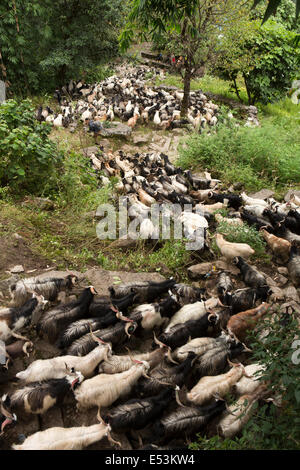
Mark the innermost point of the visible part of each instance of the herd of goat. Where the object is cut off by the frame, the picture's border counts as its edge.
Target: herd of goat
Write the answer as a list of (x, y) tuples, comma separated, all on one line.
[(193, 339), (154, 360), (130, 99)]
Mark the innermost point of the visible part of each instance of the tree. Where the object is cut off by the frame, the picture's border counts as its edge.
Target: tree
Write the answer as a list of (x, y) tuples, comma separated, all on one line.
[(44, 43), (273, 6), (264, 55), (192, 25)]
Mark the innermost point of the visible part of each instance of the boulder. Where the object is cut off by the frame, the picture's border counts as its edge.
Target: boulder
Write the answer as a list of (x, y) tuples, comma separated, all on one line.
[(262, 194), (117, 130), (17, 269), (290, 194), (202, 270)]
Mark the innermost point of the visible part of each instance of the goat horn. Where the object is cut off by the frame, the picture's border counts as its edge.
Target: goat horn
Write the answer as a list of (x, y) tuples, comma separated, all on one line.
[(178, 399), (246, 349), (120, 316), (232, 364), (159, 343), (99, 417), (27, 345), (169, 356), (146, 376), (127, 328), (95, 338), (109, 437)]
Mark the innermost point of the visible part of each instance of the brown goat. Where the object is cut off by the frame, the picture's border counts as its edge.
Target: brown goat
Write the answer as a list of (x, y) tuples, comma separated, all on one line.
[(239, 324)]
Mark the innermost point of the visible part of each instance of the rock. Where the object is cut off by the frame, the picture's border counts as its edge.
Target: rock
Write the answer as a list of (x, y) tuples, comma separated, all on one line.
[(17, 236), (290, 194), (140, 139), (5, 283), (102, 279), (17, 269), (277, 294), (88, 151), (291, 294), (39, 202), (124, 243), (165, 87), (262, 194), (117, 129), (271, 282), (282, 270), (281, 280), (199, 271)]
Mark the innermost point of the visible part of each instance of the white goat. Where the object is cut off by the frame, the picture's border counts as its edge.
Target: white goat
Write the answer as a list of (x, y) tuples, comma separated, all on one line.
[(57, 438), (208, 386), (250, 383), (55, 368), (104, 389)]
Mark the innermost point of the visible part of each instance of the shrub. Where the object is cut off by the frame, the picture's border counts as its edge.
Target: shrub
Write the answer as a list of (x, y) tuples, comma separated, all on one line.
[(28, 158), (265, 56), (248, 155)]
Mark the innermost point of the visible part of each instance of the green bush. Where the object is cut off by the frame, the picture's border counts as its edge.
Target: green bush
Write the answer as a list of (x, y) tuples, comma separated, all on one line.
[(28, 158), (242, 234), (264, 55), (257, 157)]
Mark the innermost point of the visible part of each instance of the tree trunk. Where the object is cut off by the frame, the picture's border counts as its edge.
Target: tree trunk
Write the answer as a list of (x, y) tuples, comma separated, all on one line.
[(186, 96)]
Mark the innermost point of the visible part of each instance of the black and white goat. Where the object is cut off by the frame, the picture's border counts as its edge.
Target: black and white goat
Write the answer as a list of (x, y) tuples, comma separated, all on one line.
[(116, 335), (164, 375), (48, 287), (13, 319), (138, 413), (185, 421), (179, 334), (39, 397)]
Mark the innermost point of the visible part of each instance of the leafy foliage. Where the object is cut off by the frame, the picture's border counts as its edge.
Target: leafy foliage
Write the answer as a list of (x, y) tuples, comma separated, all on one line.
[(273, 6), (56, 40), (265, 56), (28, 158)]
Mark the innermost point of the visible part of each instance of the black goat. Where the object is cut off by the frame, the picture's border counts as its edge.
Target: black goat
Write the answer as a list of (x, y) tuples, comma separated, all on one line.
[(185, 421), (234, 200), (137, 413), (180, 333), (250, 275), (145, 291), (62, 315), (165, 375), (116, 335)]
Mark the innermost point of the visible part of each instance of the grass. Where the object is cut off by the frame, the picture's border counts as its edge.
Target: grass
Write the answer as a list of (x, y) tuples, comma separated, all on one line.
[(266, 156), (206, 83)]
